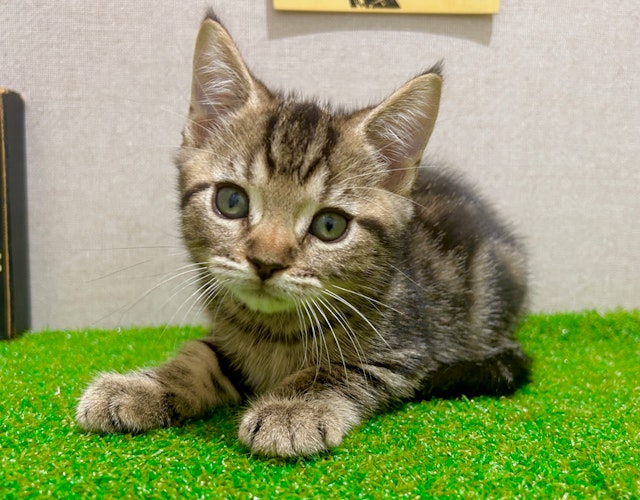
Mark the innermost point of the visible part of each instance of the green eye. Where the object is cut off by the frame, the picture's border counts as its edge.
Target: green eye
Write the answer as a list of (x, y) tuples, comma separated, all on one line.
[(232, 202), (329, 226)]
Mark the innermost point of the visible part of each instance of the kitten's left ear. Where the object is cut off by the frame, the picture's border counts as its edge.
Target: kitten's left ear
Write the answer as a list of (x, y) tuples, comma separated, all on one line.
[(399, 128), (221, 83)]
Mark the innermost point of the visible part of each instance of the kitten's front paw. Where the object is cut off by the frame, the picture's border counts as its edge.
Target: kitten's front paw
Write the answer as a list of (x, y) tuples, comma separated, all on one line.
[(123, 403), (293, 427)]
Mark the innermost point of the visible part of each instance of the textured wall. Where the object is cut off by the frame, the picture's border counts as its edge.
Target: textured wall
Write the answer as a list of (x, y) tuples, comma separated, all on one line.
[(540, 109)]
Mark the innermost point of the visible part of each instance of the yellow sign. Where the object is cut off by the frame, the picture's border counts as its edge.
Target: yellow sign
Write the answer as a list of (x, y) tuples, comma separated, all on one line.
[(392, 6)]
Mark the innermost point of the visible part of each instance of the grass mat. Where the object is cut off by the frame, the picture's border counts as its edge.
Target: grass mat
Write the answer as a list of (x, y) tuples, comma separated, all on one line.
[(574, 431)]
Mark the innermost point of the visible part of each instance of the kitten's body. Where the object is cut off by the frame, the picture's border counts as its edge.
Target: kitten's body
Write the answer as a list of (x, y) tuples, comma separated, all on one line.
[(340, 277)]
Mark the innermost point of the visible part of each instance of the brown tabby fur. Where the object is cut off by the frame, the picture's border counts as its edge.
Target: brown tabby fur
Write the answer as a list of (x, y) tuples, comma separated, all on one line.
[(419, 297)]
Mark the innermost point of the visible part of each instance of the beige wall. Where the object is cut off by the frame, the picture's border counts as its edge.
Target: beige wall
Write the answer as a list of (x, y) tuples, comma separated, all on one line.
[(540, 109)]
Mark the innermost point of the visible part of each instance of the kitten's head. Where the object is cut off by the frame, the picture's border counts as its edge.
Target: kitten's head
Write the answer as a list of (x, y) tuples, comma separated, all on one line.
[(285, 200)]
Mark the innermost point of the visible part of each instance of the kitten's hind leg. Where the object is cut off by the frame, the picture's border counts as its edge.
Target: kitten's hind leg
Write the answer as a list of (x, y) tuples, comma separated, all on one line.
[(185, 387), (500, 372)]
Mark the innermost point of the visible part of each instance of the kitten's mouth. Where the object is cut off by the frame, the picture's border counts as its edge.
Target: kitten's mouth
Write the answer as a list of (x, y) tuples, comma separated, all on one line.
[(264, 301)]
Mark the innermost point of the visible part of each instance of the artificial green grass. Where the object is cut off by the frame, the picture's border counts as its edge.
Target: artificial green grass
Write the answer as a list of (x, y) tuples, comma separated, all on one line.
[(575, 430)]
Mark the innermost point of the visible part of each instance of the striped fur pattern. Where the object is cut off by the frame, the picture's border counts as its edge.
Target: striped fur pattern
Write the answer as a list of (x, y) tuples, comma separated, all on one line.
[(341, 277)]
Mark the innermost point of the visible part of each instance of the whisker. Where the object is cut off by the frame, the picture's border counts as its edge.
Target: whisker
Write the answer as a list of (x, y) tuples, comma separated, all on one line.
[(314, 335), (219, 294), (368, 174), (147, 247), (406, 198), (357, 311), (408, 277), (186, 284), (132, 266), (303, 328), (351, 335), (335, 338), (197, 294), (369, 299), (212, 293), (124, 309)]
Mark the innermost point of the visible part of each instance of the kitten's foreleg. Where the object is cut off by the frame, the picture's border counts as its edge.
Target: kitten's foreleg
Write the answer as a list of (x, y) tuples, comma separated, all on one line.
[(312, 410), (184, 387)]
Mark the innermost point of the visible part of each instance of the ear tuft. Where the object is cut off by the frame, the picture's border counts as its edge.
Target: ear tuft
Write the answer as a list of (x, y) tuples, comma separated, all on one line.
[(399, 128), (210, 14)]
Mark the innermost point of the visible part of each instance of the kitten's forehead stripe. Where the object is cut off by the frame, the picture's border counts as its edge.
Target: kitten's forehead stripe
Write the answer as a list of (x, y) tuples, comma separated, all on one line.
[(299, 136), (330, 140), (271, 125)]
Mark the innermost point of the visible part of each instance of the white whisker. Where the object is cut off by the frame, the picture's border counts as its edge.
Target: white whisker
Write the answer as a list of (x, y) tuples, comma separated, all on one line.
[(194, 296), (186, 270), (373, 301), (335, 338), (408, 277), (369, 174), (132, 266), (391, 193), (358, 312), (349, 332), (303, 327), (315, 336)]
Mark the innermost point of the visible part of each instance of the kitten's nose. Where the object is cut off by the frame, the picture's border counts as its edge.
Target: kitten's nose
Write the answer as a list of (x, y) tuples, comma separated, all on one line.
[(265, 269)]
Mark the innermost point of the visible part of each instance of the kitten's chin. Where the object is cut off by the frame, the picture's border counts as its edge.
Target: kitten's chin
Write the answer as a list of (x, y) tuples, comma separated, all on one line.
[(264, 303)]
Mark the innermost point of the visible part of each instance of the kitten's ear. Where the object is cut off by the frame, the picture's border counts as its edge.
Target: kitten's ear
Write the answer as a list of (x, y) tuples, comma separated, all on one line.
[(399, 128), (221, 83)]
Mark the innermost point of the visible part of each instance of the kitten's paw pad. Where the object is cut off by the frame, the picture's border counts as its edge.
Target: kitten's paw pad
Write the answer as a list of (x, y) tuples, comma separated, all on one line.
[(289, 428), (123, 403)]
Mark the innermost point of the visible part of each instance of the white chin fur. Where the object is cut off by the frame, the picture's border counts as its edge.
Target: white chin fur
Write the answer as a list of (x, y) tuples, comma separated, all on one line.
[(265, 304)]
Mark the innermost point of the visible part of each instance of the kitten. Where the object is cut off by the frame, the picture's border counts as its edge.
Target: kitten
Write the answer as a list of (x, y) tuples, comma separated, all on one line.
[(341, 277)]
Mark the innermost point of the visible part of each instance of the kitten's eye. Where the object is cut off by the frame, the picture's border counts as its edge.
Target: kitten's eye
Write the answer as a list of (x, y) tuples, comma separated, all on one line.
[(232, 202), (329, 226)]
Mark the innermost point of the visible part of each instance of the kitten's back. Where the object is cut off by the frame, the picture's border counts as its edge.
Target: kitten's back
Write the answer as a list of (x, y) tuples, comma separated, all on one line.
[(470, 271)]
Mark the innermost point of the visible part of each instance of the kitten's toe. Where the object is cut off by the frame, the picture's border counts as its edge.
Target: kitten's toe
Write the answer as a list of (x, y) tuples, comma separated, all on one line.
[(123, 403), (289, 428)]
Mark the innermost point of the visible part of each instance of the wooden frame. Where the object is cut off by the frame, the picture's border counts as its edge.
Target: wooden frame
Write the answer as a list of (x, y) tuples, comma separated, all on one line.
[(15, 313)]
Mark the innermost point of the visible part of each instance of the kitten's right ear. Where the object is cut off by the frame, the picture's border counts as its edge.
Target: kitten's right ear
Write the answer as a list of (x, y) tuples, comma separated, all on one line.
[(399, 128), (221, 83)]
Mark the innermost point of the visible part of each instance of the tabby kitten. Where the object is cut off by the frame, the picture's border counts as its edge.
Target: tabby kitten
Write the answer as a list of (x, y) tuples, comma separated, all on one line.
[(341, 277)]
